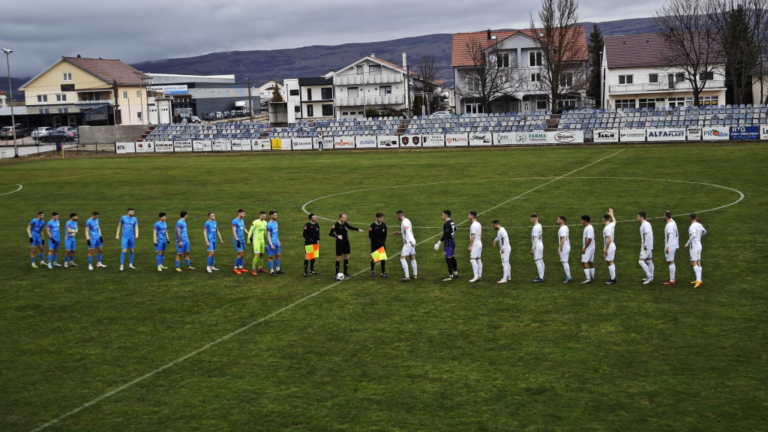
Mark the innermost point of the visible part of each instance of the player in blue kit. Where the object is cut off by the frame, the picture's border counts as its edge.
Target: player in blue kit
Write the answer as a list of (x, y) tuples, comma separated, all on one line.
[(94, 240), (211, 232), (273, 245), (36, 240), (238, 239), (182, 242), (52, 229), (130, 230), (70, 231), (161, 240)]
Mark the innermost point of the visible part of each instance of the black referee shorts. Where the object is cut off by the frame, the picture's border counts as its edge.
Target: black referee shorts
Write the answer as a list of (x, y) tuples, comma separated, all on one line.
[(374, 247), (342, 247)]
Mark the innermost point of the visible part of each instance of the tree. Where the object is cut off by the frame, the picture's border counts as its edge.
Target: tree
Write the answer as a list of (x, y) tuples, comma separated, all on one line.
[(276, 95), (560, 40), (428, 70), (691, 42), (417, 104), (492, 74), (595, 69)]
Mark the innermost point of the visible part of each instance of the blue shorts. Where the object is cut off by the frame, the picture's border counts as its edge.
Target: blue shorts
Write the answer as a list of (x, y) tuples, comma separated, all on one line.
[(127, 243), (53, 244), (183, 248), (242, 245), (161, 246), (449, 251), (36, 241), (271, 251), (212, 246), (95, 243), (69, 244)]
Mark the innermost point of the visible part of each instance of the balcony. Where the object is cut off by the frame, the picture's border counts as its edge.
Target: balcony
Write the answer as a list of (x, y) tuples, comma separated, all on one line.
[(663, 87), (367, 79), (371, 100)]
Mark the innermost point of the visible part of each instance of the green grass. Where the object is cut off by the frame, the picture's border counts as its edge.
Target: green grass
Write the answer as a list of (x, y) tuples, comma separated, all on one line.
[(374, 354)]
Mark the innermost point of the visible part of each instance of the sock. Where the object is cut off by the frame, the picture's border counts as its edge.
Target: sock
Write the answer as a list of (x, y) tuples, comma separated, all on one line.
[(55, 257), (540, 268), (255, 262), (373, 266), (455, 265), (312, 264), (42, 258), (213, 260), (474, 267), (592, 272), (271, 264), (450, 266), (651, 268), (346, 266), (505, 267), (90, 260), (178, 263), (306, 264), (567, 269), (479, 268), (588, 274), (696, 270), (122, 258), (672, 270), (612, 271), (645, 268), (404, 263), (162, 258), (383, 266), (337, 267), (277, 263), (98, 258), (186, 261), (413, 266), (157, 258), (32, 259), (131, 258)]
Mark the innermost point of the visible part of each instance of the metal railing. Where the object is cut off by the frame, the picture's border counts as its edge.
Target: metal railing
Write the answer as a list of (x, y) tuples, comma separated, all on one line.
[(367, 79), (663, 87), (371, 100)]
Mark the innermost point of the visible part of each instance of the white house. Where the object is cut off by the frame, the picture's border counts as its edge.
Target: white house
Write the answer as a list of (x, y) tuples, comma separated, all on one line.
[(370, 82), (634, 75), (267, 89), (309, 98)]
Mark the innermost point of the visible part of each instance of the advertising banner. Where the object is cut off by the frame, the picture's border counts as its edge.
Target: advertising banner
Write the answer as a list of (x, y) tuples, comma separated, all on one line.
[(343, 142), (565, 137), (676, 134), (528, 138), (712, 133), (365, 141), (277, 144), (241, 145), (302, 144), (182, 146), (457, 140), (434, 140), (607, 136), (324, 143), (222, 145), (410, 141), (480, 138), (145, 147), (163, 146), (694, 133), (632, 135), (201, 146), (125, 147), (745, 132), (286, 144), (503, 138), (387, 141), (763, 132), (261, 144)]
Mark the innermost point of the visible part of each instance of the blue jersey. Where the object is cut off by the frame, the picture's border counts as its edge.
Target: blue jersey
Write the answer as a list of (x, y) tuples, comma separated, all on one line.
[(239, 226), (181, 230), (272, 231), (92, 225), (36, 227), (54, 227), (161, 228), (129, 222), (71, 225), (212, 228)]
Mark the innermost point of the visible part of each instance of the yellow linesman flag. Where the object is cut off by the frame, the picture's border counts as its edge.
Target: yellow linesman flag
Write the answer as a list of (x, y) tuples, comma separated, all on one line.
[(379, 255), (313, 251)]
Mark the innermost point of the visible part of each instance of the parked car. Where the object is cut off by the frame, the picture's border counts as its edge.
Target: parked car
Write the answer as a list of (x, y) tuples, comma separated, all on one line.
[(210, 116), (219, 115), (234, 113), (60, 135), (195, 119), (7, 132), (41, 132)]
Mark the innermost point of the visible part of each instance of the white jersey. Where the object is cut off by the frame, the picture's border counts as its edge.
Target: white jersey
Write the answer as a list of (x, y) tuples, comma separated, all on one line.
[(503, 239), (695, 233), (671, 236), (589, 233), (407, 230), (536, 234), (564, 232), (609, 231), (477, 230), (646, 235)]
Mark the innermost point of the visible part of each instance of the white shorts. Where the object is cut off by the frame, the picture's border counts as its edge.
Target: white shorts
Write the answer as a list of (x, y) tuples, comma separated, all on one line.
[(538, 252), (505, 256), (695, 251), (564, 255), (611, 253), (589, 256), (670, 257), (646, 254), (477, 252), (408, 250)]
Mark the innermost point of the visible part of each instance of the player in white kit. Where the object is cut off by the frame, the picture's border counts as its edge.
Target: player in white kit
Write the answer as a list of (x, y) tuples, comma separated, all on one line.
[(564, 246), (671, 243), (475, 247), (609, 242), (646, 248), (504, 249), (537, 246), (409, 245), (588, 250), (695, 233)]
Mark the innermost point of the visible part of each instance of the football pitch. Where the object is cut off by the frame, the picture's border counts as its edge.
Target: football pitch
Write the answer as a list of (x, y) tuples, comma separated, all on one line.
[(147, 351)]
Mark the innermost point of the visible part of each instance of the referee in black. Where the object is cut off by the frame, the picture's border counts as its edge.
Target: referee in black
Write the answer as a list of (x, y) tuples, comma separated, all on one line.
[(311, 237), (340, 230), (377, 232)]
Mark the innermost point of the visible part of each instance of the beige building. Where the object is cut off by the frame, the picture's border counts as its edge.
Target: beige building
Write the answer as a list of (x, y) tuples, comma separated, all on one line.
[(90, 91)]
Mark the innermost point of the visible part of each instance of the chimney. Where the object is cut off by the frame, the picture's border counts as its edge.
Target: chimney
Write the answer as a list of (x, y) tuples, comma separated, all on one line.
[(373, 55), (489, 34), (78, 56), (405, 60), (2, 99)]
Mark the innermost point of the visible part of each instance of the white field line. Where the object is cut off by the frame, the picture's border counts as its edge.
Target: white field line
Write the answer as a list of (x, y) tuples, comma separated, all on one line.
[(8, 193), (273, 314), (57, 178)]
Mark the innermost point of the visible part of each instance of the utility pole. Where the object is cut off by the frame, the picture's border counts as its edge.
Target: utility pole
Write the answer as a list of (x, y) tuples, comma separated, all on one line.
[(116, 109), (408, 89), (250, 108), (10, 91)]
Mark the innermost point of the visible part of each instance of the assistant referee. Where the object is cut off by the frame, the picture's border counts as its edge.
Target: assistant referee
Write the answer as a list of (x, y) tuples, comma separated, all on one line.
[(377, 232), (340, 230), (311, 237)]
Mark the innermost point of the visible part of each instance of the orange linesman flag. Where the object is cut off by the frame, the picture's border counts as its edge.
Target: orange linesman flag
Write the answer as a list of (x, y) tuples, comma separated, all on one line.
[(379, 255), (313, 251)]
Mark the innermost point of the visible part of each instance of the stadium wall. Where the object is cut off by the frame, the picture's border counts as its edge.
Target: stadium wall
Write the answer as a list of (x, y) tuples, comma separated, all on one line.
[(104, 134)]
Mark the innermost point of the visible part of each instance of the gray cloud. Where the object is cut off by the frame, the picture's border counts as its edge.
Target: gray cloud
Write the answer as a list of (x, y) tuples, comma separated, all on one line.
[(41, 31)]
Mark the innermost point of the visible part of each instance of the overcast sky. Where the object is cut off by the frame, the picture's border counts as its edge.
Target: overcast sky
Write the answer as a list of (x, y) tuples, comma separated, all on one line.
[(41, 31)]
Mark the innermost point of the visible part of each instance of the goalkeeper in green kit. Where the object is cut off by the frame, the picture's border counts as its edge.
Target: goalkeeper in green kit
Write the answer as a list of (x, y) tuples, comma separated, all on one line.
[(257, 235)]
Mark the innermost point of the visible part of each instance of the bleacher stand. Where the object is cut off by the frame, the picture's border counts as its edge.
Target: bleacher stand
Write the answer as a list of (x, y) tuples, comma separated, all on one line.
[(468, 123), (230, 130)]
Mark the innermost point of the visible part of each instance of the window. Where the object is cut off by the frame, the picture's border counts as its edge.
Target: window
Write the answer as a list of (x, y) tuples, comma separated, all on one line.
[(536, 77), (360, 70), (679, 102), (125, 95), (42, 98), (534, 58), (504, 60), (626, 79), (326, 93), (138, 115), (327, 110), (706, 76), (67, 87), (708, 100), (61, 98), (138, 94), (353, 92), (374, 69), (72, 121), (385, 90), (294, 92), (653, 78), (63, 110), (625, 104), (66, 76), (310, 111), (45, 111), (566, 79), (297, 109), (309, 94), (541, 103), (651, 103), (473, 84)]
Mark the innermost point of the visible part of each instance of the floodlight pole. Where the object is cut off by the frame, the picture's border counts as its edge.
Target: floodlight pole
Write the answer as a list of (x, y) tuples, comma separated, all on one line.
[(10, 91)]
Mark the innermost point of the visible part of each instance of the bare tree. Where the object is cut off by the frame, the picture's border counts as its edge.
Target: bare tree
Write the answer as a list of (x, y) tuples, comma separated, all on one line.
[(493, 74), (428, 70), (562, 43), (691, 41), (760, 10)]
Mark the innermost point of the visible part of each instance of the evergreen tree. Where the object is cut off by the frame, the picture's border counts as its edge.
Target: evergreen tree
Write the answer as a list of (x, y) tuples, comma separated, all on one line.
[(417, 104), (595, 58), (276, 95)]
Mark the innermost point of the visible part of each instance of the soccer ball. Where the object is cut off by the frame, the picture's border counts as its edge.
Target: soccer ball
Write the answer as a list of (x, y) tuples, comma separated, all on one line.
[(340, 276)]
